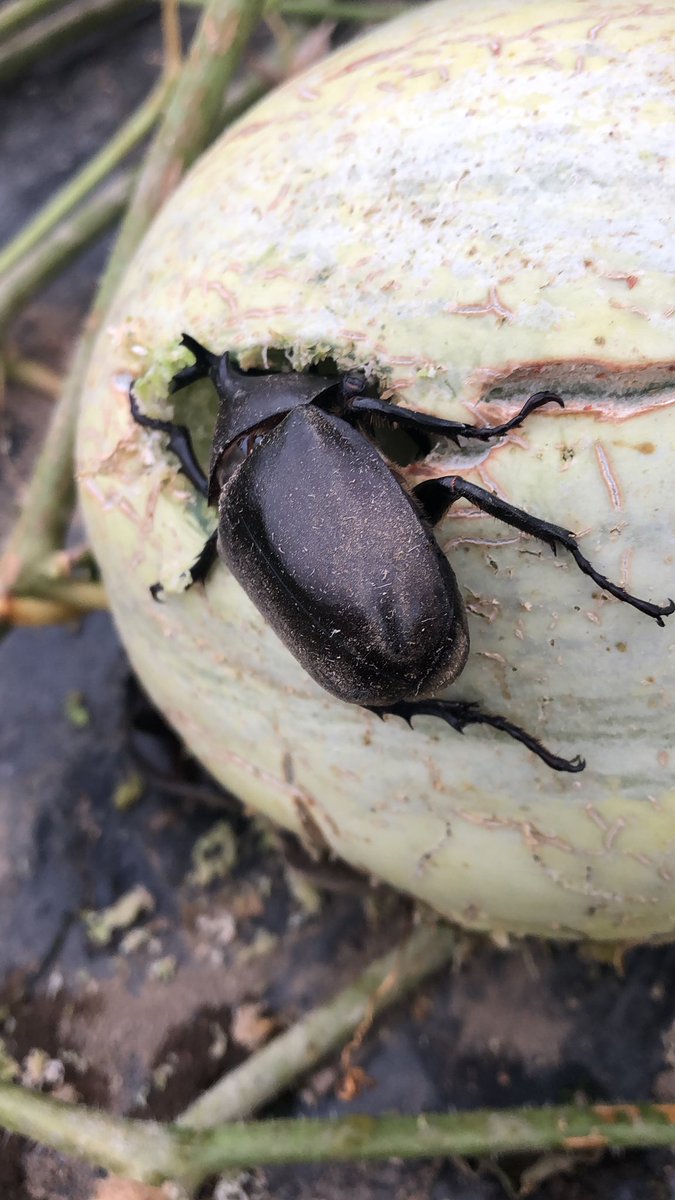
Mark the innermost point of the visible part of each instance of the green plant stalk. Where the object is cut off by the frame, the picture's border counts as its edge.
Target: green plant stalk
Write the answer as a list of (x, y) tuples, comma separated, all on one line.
[(55, 30), (51, 492), (192, 115), (21, 12), (277, 1066), (331, 10), (154, 1154), (68, 197), (244, 95), (171, 37), (266, 1074), (336, 10), (63, 243)]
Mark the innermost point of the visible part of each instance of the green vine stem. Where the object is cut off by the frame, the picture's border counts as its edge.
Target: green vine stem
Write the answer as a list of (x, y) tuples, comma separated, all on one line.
[(273, 1069), (55, 30), (192, 116), (330, 10), (20, 12), (68, 197), (62, 243), (154, 1154), (263, 1076), (336, 10)]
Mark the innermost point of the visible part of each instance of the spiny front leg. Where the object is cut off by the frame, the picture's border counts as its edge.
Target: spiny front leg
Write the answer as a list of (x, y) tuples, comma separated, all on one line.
[(180, 443), (420, 422), (460, 713), (437, 495)]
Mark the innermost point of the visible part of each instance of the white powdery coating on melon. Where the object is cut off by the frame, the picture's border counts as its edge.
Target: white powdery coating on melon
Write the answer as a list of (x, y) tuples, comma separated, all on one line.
[(436, 160)]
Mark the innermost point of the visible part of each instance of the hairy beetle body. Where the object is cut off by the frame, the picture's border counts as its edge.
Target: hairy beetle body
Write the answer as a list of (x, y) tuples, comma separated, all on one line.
[(332, 551)]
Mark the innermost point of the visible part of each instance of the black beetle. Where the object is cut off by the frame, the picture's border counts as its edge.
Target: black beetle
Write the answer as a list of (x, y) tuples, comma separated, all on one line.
[(333, 550)]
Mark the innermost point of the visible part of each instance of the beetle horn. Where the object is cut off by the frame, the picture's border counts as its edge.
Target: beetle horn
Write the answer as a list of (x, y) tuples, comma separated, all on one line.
[(205, 359)]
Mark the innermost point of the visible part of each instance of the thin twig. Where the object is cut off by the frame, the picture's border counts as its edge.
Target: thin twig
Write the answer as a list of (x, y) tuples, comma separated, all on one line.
[(33, 375), (29, 611), (72, 193), (63, 243), (273, 1069), (171, 37), (57, 29)]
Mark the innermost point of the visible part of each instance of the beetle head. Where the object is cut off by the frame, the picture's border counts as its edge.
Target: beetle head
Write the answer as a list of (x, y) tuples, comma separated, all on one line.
[(251, 400)]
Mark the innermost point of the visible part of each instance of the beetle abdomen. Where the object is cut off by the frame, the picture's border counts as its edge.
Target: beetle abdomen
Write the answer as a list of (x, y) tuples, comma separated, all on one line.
[(330, 549)]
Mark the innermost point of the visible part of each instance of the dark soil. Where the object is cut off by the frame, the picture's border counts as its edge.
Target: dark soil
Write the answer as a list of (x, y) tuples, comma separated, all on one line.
[(144, 1028)]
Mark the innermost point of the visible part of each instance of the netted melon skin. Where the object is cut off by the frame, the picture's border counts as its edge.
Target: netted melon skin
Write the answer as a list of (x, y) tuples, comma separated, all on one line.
[(475, 202)]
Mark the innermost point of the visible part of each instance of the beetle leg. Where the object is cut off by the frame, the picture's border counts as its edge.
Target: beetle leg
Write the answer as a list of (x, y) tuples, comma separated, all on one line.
[(200, 568), (206, 559), (460, 713), (202, 368), (180, 442), (408, 418), (437, 495)]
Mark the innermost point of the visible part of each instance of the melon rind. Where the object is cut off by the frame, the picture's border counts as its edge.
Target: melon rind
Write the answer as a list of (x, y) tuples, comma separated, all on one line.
[(474, 201)]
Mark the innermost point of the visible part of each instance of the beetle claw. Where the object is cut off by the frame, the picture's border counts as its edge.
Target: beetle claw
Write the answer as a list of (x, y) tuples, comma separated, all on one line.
[(667, 611), (156, 592)]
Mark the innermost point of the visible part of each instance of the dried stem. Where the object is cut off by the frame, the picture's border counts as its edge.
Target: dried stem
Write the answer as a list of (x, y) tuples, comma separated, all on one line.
[(33, 375), (78, 599), (171, 36)]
